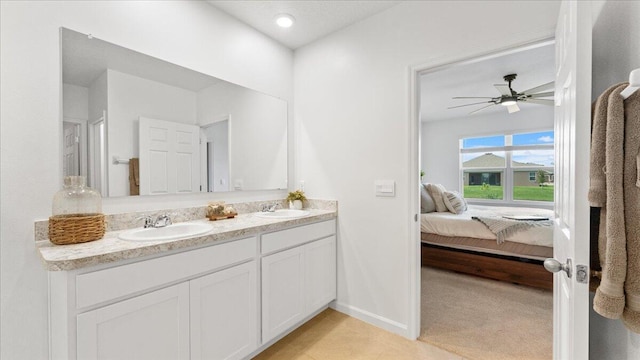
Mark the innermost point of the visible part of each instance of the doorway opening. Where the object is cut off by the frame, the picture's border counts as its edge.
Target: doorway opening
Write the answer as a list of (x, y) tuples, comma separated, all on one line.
[(486, 149), (214, 142)]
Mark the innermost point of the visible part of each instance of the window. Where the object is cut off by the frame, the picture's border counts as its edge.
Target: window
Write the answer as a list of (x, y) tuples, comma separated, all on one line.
[(509, 168)]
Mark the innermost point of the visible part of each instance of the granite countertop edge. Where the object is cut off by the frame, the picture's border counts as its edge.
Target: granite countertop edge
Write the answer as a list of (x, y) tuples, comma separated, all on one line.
[(111, 249)]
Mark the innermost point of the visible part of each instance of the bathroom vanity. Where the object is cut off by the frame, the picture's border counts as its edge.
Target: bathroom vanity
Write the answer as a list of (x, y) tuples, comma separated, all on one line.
[(226, 294)]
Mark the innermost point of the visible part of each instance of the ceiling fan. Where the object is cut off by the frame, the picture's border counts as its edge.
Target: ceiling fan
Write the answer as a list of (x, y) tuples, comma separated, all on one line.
[(509, 98)]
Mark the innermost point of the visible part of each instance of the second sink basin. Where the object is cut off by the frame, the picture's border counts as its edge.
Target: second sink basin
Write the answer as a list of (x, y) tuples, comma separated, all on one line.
[(283, 214), (169, 232)]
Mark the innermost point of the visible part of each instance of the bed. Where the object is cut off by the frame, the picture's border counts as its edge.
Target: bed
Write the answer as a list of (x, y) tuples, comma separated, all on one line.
[(460, 243)]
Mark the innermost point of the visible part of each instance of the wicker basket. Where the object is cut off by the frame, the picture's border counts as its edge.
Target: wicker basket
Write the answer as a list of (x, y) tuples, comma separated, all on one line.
[(75, 229)]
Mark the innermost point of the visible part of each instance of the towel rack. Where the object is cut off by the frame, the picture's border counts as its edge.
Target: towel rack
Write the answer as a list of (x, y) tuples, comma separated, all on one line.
[(634, 83), (117, 160)]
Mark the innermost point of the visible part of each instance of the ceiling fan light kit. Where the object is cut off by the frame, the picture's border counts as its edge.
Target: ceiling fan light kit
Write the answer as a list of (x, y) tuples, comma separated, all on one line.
[(509, 98)]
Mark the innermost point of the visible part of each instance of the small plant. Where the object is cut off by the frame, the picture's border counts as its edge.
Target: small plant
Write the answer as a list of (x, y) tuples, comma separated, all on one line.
[(296, 195), (421, 174)]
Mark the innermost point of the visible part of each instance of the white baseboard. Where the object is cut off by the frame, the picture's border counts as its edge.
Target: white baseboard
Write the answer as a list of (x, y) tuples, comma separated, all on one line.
[(373, 319)]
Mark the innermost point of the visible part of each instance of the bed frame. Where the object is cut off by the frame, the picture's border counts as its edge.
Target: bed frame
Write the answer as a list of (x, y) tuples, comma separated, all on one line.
[(511, 269)]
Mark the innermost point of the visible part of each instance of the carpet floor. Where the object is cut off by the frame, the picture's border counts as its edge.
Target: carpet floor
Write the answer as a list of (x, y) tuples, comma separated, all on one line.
[(485, 319)]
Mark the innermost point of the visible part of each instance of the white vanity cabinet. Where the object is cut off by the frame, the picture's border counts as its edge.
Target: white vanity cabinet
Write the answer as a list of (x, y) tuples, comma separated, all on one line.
[(298, 275), (198, 304), (228, 300)]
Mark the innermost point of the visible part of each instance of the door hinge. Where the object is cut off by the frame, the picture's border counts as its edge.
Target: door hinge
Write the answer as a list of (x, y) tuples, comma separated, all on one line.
[(415, 218), (582, 274)]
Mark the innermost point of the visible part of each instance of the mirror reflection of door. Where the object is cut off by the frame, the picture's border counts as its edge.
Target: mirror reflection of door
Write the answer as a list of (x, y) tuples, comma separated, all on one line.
[(169, 157), (71, 150), (216, 155), (97, 172)]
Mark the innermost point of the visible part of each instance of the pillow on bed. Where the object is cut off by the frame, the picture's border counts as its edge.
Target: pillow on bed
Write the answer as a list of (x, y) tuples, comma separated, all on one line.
[(437, 193), (454, 202), (426, 201)]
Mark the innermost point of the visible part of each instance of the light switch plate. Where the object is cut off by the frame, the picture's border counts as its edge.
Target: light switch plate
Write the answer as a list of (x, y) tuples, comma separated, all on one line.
[(385, 188)]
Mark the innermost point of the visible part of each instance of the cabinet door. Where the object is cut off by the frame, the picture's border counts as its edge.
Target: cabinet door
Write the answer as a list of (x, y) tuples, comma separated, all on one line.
[(320, 273), (151, 326), (224, 313), (282, 291)]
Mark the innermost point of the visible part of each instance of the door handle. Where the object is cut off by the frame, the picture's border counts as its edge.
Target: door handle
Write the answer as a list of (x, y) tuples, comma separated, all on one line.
[(553, 265)]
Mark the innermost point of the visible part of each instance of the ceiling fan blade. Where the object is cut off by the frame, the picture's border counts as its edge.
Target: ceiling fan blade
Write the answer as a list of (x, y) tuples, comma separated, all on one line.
[(472, 97), (482, 108), (539, 88), (513, 108), (539, 101), (503, 89), (539, 95), (482, 102)]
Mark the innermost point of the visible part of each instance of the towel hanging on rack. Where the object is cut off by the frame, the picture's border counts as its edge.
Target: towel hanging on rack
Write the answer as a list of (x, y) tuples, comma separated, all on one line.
[(619, 242)]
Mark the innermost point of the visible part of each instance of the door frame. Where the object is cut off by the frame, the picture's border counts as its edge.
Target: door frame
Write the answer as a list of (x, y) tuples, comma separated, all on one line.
[(414, 73)]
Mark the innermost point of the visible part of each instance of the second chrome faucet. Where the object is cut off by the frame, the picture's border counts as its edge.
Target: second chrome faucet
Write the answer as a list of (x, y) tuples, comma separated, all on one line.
[(161, 221)]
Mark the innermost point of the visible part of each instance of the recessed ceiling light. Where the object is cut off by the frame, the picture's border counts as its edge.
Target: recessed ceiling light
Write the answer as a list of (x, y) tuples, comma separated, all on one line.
[(285, 20)]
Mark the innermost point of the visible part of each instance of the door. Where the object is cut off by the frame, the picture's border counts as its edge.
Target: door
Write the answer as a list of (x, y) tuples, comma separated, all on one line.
[(282, 291), (320, 280), (71, 150), (151, 326), (98, 154), (572, 133), (169, 157), (224, 313)]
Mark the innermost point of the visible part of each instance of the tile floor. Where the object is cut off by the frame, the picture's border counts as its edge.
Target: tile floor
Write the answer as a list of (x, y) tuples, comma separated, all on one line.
[(334, 336)]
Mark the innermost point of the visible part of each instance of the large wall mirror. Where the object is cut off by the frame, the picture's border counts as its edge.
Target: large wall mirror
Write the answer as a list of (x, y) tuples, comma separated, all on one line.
[(137, 125)]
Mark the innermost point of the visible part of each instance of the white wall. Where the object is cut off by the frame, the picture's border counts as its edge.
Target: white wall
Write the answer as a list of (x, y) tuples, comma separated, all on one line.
[(352, 127), (439, 140), (257, 134), (616, 51), (190, 34), (76, 102), (129, 98), (98, 101)]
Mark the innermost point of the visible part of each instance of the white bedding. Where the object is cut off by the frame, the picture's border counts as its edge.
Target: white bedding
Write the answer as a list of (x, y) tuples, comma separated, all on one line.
[(449, 224)]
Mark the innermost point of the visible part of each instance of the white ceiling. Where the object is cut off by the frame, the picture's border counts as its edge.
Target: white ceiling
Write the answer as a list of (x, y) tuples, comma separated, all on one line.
[(534, 67), (314, 19)]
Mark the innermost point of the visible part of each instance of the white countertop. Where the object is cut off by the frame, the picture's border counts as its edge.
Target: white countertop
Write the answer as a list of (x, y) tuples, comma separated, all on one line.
[(111, 249)]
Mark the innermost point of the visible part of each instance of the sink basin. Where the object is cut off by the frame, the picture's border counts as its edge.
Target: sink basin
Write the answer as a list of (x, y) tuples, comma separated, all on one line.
[(169, 232), (283, 214)]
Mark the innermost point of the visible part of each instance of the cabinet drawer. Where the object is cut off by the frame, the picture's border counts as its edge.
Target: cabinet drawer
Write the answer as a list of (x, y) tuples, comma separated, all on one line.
[(104, 285), (295, 236)]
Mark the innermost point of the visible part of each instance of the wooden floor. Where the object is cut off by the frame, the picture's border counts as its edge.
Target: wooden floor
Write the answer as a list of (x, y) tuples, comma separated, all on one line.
[(335, 336)]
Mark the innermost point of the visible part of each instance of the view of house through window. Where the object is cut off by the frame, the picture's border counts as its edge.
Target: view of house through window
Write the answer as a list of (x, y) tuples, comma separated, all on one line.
[(517, 167)]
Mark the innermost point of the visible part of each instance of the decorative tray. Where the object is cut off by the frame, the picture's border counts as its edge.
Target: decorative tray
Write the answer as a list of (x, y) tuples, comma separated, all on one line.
[(222, 216)]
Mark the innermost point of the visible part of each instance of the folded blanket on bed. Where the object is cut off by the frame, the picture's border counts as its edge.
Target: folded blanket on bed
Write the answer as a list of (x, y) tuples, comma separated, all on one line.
[(503, 228)]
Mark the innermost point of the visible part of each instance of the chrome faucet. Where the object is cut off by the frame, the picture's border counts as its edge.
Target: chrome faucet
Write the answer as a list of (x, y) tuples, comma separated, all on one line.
[(162, 221), (148, 222), (269, 208)]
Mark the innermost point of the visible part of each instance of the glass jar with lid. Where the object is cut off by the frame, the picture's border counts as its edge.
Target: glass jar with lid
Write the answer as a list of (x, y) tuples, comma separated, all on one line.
[(77, 213), (76, 198)]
